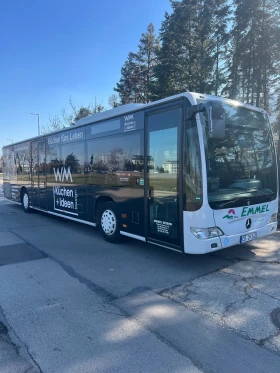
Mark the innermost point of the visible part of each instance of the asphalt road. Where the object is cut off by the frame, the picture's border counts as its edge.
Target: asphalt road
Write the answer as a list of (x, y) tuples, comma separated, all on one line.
[(70, 302)]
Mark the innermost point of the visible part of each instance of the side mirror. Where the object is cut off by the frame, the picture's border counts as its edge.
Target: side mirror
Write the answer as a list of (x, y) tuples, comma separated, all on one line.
[(215, 114), (216, 119)]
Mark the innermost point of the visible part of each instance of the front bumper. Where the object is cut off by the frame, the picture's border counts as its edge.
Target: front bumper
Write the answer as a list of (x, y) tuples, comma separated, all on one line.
[(227, 241)]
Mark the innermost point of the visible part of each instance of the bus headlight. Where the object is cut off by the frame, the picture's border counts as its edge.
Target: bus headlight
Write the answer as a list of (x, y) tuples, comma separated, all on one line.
[(273, 219), (205, 233)]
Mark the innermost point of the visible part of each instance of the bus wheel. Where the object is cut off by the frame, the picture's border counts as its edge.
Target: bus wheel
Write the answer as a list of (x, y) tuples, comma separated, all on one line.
[(109, 222), (25, 202)]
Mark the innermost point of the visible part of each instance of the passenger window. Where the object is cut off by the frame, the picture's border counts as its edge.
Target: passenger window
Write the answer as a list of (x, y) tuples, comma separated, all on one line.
[(115, 161), (73, 158)]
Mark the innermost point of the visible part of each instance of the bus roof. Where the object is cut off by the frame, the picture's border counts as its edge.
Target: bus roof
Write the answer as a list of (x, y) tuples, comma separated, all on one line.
[(128, 108), (125, 109)]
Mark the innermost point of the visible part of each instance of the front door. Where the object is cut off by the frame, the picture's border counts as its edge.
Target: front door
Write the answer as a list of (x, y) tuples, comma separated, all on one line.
[(38, 173), (163, 169)]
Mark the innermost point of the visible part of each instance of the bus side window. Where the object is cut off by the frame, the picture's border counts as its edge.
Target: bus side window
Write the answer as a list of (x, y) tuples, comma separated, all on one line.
[(115, 160), (73, 157)]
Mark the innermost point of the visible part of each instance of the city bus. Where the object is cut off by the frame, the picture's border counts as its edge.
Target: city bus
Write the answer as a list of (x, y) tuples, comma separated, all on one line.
[(193, 173)]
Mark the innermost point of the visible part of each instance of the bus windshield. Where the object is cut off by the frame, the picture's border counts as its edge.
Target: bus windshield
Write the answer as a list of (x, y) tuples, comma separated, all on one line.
[(241, 167)]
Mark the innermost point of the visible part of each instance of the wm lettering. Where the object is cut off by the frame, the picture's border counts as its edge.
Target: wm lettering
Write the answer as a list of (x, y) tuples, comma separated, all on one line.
[(62, 174), (128, 117)]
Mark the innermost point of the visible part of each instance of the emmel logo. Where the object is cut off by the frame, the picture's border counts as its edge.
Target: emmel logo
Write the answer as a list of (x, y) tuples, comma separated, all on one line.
[(246, 211), (230, 214), (62, 174), (254, 210)]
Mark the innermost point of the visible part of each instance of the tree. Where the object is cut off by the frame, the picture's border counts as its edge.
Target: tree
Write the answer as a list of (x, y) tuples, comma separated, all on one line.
[(53, 163), (147, 60), (77, 112), (113, 101), (253, 61), (1, 163), (276, 128), (96, 107), (137, 74), (193, 38), (116, 158), (82, 113), (127, 85), (73, 162), (221, 38)]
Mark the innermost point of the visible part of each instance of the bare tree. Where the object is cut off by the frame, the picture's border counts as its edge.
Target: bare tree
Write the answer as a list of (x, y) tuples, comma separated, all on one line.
[(69, 118), (113, 101)]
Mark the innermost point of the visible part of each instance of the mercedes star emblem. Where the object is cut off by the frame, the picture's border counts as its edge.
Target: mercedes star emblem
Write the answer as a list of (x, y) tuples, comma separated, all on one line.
[(248, 223)]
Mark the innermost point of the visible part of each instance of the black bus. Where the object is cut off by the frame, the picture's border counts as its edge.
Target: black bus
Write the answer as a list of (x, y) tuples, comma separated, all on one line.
[(189, 173)]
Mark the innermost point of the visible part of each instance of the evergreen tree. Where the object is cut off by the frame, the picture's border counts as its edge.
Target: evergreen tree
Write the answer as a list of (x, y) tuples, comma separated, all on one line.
[(147, 61), (137, 74), (221, 37), (253, 61), (276, 127), (193, 39), (73, 162), (128, 87)]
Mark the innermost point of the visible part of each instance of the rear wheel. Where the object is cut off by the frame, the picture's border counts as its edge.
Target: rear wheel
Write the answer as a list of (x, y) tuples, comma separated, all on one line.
[(25, 201), (109, 222)]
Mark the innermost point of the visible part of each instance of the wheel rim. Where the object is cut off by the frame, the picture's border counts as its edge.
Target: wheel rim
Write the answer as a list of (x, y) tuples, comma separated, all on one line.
[(25, 201), (109, 222)]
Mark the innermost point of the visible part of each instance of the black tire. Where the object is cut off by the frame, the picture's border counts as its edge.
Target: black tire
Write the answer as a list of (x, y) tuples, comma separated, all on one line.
[(109, 222), (25, 202)]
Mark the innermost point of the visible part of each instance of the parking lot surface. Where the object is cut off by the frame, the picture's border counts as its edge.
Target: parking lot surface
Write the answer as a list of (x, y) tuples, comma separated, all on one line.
[(71, 302)]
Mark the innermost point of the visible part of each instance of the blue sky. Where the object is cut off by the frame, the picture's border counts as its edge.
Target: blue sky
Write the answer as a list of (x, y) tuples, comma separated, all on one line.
[(55, 49)]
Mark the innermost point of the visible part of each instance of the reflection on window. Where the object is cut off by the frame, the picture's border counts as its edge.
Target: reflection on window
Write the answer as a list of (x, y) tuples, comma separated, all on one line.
[(73, 156), (53, 158), (69, 156), (163, 172), (115, 160), (38, 162), (9, 164), (163, 156), (192, 169), (22, 161), (163, 179), (242, 165)]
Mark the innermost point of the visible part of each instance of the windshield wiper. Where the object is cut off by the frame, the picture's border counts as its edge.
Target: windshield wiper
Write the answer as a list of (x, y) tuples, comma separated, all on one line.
[(232, 201), (270, 195)]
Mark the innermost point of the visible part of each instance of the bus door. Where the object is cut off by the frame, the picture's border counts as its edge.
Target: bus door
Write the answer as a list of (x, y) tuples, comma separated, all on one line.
[(38, 174), (163, 196)]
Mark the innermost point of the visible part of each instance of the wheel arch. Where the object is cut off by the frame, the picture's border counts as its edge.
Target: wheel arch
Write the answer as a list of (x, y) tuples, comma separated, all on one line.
[(99, 203), (23, 189)]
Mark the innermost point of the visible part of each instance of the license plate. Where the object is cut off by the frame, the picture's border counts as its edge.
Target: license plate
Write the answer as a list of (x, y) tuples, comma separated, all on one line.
[(248, 237)]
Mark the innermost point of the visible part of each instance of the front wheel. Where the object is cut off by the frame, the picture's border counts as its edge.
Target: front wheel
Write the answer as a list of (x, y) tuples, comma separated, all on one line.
[(109, 222), (25, 202)]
